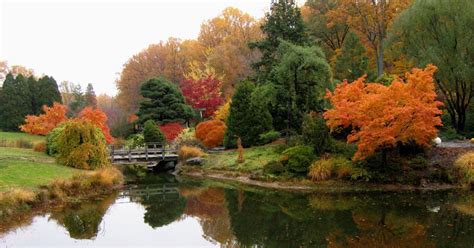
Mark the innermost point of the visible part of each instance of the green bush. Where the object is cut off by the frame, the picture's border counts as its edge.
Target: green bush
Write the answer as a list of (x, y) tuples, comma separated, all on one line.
[(269, 137), (82, 145), (448, 134), (360, 174), (343, 148), (342, 167), (274, 167), (298, 158), (52, 140), (136, 140), (152, 133), (315, 133)]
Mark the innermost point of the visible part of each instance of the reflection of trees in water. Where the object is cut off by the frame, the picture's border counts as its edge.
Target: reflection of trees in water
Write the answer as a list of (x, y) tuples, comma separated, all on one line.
[(162, 211), (82, 220), (209, 205)]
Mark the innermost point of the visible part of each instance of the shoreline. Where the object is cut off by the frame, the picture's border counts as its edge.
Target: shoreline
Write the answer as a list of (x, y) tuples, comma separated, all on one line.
[(333, 186)]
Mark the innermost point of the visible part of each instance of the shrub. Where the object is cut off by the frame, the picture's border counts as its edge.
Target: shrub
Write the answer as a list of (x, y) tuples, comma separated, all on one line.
[(269, 137), (211, 132), (274, 167), (82, 145), (171, 130), (360, 174), (52, 140), (343, 148), (136, 140), (99, 119), (44, 123), (298, 158), (186, 152), (152, 133), (40, 147), (315, 133), (321, 170), (342, 167), (465, 167)]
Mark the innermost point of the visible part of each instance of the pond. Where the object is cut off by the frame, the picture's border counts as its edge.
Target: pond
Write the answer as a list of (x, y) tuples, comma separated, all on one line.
[(169, 212)]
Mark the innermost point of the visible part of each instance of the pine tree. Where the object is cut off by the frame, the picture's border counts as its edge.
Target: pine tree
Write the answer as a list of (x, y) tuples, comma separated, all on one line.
[(91, 99), (163, 102), (352, 62), (282, 22), (16, 102), (152, 133), (248, 117), (79, 100), (48, 92)]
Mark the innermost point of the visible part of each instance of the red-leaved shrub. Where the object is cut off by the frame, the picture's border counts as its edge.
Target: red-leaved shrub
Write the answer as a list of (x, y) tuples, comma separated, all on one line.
[(171, 130)]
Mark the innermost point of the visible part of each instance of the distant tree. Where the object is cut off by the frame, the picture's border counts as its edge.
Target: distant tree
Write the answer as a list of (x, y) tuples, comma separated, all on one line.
[(203, 93), (248, 118), (163, 102), (439, 32), (152, 133), (99, 119), (79, 101), (352, 62), (283, 22), (301, 78), (15, 102), (44, 123), (383, 117), (91, 99)]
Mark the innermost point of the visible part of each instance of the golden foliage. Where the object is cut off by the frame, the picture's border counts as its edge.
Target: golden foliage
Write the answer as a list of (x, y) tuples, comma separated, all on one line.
[(186, 152), (465, 167), (223, 111), (321, 170)]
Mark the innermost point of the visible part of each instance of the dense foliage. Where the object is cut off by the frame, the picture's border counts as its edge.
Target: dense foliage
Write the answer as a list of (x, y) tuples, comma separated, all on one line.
[(152, 134), (316, 133), (44, 123), (203, 94), (438, 32), (298, 159), (163, 102), (171, 130), (382, 117), (98, 118), (248, 118), (211, 133), (21, 96), (352, 61), (82, 145)]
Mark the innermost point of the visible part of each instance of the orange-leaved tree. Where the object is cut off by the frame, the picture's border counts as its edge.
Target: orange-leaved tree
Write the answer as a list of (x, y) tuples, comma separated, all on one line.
[(382, 117), (211, 132), (99, 119), (44, 123)]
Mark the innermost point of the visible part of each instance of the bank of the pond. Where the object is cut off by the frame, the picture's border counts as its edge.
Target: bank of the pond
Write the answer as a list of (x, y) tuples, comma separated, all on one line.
[(81, 186), (223, 166)]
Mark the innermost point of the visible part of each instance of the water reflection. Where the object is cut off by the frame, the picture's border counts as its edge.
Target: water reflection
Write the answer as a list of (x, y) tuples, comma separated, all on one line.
[(167, 212)]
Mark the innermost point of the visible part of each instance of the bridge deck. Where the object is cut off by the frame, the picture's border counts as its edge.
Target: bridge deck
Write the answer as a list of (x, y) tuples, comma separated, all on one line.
[(152, 152)]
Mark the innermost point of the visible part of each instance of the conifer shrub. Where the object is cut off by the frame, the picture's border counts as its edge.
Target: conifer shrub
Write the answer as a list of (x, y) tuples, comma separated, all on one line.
[(269, 137), (298, 159), (82, 145), (153, 134), (315, 133), (211, 133)]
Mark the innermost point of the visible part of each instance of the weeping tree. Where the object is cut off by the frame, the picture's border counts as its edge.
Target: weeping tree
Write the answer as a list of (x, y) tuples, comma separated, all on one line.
[(302, 77), (440, 32)]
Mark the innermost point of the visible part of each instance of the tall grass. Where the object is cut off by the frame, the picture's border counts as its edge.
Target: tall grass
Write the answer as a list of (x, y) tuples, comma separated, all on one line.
[(465, 168)]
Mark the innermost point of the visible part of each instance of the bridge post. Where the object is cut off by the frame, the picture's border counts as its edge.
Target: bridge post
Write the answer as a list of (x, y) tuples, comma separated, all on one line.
[(130, 154), (146, 152)]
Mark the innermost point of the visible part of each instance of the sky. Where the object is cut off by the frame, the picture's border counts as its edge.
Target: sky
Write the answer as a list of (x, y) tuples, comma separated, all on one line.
[(88, 41)]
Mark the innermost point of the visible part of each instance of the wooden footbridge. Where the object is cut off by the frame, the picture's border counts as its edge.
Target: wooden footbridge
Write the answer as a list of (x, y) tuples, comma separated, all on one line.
[(154, 155)]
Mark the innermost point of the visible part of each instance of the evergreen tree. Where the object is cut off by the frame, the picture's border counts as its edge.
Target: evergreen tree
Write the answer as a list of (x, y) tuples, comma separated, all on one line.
[(301, 79), (91, 99), (248, 117), (282, 22), (152, 133), (79, 100), (47, 93), (16, 102), (352, 62), (163, 102)]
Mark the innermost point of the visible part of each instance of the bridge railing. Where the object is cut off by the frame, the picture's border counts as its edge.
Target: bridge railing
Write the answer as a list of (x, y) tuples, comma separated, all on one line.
[(150, 150)]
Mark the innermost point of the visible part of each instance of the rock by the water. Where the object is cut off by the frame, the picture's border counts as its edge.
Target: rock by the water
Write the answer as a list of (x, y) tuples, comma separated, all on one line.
[(195, 161)]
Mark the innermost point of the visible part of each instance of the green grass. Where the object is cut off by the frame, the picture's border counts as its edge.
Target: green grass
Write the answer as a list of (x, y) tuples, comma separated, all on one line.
[(24, 168), (20, 140), (255, 159)]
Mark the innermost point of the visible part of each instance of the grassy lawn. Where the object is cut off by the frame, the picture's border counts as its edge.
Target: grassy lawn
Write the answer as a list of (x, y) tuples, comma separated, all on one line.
[(16, 139), (255, 159), (24, 168)]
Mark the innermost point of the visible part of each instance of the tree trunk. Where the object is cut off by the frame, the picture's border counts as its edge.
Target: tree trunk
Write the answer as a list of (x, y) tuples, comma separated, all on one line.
[(379, 58)]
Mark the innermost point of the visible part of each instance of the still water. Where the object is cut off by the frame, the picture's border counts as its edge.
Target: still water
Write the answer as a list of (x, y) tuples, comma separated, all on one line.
[(167, 212)]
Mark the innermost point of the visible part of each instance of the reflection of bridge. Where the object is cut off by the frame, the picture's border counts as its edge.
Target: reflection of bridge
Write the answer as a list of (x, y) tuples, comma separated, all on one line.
[(152, 154), (137, 193)]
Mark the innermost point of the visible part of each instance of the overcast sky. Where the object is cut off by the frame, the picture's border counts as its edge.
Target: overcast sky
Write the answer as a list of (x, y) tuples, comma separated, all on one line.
[(88, 41)]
